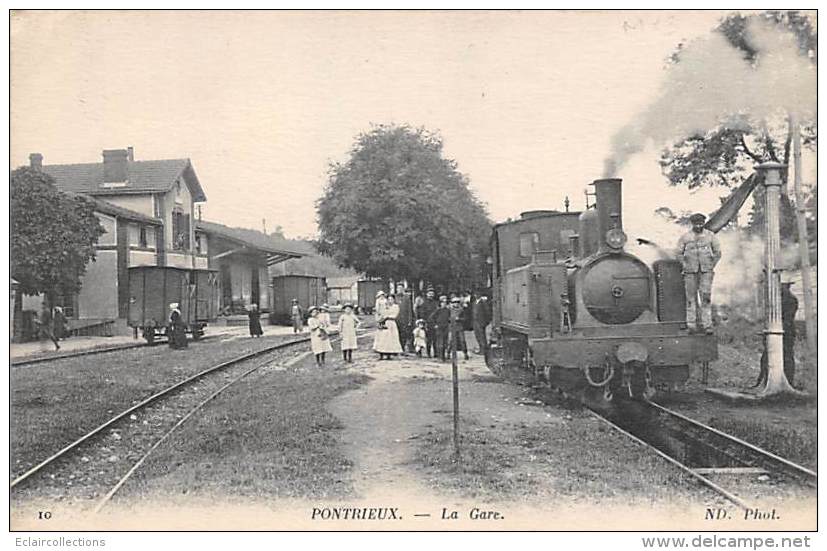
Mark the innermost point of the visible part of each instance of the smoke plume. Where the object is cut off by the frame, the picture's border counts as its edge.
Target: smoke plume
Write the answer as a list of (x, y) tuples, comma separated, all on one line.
[(712, 84)]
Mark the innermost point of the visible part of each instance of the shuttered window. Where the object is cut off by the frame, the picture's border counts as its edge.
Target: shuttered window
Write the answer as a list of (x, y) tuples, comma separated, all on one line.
[(529, 243), (180, 231)]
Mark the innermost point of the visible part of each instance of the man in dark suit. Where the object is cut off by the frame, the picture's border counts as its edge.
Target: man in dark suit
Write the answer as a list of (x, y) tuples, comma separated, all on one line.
[(440, 321), (425, 312)]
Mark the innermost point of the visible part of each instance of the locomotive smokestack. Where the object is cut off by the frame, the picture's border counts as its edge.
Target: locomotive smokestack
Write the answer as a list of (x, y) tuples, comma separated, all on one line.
[(609, 209)]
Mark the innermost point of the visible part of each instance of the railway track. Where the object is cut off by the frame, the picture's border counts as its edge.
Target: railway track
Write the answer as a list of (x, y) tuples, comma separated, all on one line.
[(93, 351), (62, 356), (93, 468), (744, 474)]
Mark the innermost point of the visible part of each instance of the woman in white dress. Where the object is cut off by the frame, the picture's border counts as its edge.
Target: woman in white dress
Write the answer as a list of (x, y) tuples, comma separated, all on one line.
[(387, 335), (319, 340)]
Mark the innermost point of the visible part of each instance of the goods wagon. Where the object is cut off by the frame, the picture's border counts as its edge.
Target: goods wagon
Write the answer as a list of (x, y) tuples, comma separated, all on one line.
[(152, 289), (308, 290)]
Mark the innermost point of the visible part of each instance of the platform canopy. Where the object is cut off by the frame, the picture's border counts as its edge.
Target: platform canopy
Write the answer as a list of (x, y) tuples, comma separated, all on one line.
[(247, 242)]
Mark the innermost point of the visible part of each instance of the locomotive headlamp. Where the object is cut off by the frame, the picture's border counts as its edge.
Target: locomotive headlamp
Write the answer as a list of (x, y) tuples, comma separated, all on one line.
[(615, 238)]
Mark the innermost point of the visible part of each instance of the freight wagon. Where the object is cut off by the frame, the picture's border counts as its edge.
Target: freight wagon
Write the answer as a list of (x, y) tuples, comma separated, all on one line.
[(152, 289), (308, 290)]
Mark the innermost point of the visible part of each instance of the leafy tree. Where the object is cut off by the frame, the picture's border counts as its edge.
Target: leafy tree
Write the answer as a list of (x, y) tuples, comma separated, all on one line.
[(397, 209), (725, 155), (53, 235)]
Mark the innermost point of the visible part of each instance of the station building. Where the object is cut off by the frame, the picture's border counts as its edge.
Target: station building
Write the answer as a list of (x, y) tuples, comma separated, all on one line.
[(148, 209)]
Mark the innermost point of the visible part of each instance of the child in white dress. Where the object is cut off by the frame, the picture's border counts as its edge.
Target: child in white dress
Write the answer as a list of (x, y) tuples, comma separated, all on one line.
[(348, 323), (420, 341), (319, 340)]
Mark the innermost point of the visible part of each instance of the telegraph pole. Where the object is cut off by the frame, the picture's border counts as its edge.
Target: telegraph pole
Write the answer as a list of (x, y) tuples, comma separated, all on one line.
[(803, 242), (455, 378)]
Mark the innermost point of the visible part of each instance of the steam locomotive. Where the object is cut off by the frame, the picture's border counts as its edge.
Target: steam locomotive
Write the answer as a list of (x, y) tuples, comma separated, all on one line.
[(572, 306)]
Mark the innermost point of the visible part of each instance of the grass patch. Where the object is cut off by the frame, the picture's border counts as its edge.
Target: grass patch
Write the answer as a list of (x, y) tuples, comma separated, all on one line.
[(267, 437), (54, 403), (796, 443), (575, 460)]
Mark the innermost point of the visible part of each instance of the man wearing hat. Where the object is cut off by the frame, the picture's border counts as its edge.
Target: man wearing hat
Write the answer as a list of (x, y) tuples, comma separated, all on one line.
[(440, 321), (425, 311), (699, 252), (297, 316), (458, 313)]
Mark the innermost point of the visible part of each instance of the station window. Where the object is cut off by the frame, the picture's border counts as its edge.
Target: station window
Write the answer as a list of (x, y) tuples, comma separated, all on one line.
[(529, 243), (67, 302), (180, 231), (142, 242)]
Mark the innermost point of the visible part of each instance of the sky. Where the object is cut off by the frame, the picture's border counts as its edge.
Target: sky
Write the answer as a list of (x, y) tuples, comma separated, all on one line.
[(262, 102)]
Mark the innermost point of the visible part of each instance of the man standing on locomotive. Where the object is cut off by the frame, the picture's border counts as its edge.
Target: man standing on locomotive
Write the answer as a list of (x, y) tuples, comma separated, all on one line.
[(699, 252)]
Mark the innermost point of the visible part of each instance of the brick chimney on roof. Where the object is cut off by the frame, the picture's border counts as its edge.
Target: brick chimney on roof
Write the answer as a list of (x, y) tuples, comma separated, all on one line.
[(115, 168), (36, 161)]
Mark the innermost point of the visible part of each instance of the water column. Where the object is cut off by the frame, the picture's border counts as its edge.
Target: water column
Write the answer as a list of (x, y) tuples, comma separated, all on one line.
[(774, 330)]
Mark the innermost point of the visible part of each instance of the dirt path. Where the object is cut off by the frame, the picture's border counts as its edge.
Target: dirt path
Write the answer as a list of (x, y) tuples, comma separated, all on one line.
[(408, 396)]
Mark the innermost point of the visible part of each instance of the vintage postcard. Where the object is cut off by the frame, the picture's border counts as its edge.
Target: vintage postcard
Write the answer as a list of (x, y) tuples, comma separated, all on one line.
[(413, 271)]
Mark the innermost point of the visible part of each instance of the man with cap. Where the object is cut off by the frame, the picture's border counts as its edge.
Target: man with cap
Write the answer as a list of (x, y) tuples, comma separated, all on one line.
[(425, 311), (699, 252), (458, 313), (296, 316), (440, 320)]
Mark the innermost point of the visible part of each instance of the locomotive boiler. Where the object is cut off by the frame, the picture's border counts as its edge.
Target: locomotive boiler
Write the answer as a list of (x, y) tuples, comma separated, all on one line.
[(573, 306)]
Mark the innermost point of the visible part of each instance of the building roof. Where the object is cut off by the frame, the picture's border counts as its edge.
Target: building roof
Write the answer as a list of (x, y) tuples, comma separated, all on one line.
[(342, 282), (248, 238), (143, 177), (120, 212)]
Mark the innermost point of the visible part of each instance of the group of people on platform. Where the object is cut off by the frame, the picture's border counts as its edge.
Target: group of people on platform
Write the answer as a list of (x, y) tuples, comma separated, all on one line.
[(404, 325), (424, 325)]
